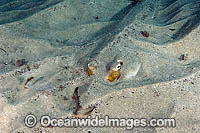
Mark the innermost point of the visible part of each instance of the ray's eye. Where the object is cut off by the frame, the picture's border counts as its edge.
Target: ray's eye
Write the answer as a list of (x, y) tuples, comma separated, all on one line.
[(118, 67)]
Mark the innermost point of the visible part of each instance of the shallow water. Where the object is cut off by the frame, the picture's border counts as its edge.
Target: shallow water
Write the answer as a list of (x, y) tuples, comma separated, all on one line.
[(57, 39)]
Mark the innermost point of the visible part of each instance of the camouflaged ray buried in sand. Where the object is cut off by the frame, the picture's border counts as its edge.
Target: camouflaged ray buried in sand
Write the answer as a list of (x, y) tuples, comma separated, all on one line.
[(60, 61)]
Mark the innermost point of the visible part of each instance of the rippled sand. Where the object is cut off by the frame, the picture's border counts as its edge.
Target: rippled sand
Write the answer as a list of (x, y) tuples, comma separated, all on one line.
[(44, 59)]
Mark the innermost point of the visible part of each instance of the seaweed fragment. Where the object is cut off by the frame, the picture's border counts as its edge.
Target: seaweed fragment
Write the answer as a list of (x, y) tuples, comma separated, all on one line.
[(172, 29), (28, 80), (77, 101), (145, 33), (20, 62), (85, 112), (4, 51), (182, 57), (79, 112)]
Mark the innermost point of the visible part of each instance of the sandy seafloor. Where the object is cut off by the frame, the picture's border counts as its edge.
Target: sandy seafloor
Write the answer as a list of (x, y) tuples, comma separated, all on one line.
[(161, 86), (177, 99)]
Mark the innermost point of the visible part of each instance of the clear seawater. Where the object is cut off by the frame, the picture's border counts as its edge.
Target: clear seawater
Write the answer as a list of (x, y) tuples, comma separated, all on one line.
[(57, 39)]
